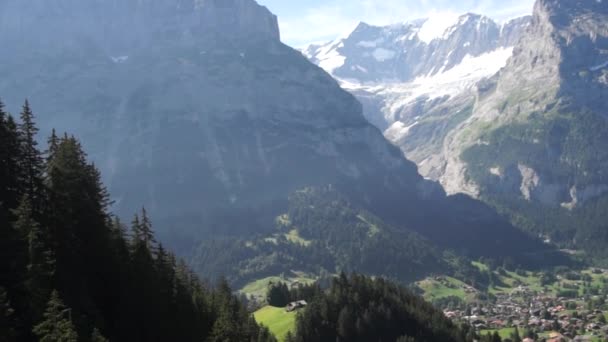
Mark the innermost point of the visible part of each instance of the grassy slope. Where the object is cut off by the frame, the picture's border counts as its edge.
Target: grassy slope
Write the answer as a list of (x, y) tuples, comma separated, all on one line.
[(504, 333), (277, 320), (448, 287), (259, 287), (434, 289)]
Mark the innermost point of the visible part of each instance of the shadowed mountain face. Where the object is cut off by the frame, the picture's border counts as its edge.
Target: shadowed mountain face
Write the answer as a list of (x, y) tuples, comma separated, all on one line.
[(196, 110)]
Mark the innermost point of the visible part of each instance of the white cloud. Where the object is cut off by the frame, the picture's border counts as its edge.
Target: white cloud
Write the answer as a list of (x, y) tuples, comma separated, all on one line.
[(317, 25)]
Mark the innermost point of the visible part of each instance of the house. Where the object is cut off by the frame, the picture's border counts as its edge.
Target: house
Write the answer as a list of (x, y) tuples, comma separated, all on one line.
[(556, 337), (295, 305)]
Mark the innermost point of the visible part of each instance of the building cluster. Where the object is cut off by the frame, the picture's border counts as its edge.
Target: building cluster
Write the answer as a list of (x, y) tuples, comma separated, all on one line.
[(557, 319)]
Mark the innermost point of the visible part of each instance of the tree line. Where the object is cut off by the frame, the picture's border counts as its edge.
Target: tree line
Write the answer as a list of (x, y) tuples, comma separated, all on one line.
[(70, 271)]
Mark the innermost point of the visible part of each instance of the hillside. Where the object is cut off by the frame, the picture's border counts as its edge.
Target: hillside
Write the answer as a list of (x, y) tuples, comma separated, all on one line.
[(320, 234), (278, 321), (357, 308)]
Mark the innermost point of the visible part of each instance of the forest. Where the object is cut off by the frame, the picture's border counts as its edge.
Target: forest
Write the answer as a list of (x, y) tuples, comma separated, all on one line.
[(70, 271)]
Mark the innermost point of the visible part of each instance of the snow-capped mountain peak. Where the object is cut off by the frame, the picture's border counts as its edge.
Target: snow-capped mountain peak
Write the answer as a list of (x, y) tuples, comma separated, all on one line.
[(409, 73)]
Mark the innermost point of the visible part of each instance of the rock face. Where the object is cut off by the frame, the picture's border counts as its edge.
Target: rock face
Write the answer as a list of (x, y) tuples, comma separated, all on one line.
[(119, 26), (546, 108), (192, 107)]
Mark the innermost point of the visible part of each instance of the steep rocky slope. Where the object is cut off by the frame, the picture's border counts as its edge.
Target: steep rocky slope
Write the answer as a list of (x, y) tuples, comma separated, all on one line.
[(542, 117), (538, 132)]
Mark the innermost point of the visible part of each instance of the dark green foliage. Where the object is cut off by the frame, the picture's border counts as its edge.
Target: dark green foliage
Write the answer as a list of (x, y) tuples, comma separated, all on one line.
[(495, 337), (30, 158), (40, 262), (57, 324), (7, 323), (57, 236), (358, 308), (278, 294), (340, 235), (97, 337)]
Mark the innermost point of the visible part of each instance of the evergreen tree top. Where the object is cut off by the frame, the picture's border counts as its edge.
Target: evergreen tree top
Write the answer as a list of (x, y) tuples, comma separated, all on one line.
[(56, 327)]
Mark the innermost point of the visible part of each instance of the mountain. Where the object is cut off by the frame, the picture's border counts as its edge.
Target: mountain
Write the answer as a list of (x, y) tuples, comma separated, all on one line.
[(400, 72), (196, 110), (188, 115), (518, 123), (537, 132)]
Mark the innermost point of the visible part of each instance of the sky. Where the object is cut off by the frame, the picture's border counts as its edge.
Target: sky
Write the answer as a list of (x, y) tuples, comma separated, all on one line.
[(314, 21)]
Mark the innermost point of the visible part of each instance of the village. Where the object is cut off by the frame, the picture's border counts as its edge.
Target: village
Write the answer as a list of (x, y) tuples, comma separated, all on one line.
[(570, 307)]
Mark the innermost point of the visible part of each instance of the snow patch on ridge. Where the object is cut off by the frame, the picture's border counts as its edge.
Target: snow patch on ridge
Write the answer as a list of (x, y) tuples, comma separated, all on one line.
[(398, 130), (599, 66), (452, 82), (435, 27), (382, 55), (371, 43), (329, 57)]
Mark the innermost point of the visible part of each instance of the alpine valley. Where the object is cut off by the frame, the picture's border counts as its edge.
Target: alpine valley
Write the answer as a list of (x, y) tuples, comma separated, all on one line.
[(232, 132), (466, 167)]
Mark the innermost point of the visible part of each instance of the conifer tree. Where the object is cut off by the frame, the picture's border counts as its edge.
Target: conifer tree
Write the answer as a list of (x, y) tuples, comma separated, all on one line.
[(30, 158), (12, 248), (146, 234), (7, 332), (10, 165), (56, 326), (40, 263), (135, 231), (96, 336), (53, 145)]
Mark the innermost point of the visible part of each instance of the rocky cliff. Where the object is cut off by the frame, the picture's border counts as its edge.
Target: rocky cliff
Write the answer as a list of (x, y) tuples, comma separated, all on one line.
[(118, 27), (552, 87), (191, 108)]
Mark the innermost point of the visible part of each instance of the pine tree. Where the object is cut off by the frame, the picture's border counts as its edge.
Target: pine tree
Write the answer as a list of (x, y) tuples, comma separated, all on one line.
[(96, 336), (145, 233), (11, 172), (32, 164), (7, 332), (135, 230), (56, 327), (40, 263), (53, 145)]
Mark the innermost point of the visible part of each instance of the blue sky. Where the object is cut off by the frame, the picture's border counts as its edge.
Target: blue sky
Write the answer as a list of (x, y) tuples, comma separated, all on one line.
[(309, 21)]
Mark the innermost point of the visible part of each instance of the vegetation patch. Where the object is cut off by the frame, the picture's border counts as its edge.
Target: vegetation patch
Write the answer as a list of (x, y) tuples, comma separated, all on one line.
[(277, 320)]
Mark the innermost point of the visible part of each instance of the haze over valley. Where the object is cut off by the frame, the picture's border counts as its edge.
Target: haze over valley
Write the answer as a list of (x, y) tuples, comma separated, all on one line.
[(432, 178)]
